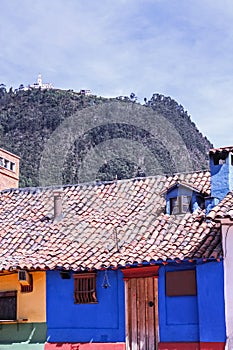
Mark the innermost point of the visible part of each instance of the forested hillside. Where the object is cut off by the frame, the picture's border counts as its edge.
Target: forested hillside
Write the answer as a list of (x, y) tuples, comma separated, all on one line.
[(29, 118)]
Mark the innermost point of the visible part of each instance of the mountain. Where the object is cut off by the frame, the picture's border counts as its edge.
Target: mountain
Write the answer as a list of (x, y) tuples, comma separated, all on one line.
[(64, 136)]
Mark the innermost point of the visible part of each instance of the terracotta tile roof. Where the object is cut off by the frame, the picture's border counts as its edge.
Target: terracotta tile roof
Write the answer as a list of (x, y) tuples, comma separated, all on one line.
[(103, 225), (193, 187), (224, 210), (221, 149)]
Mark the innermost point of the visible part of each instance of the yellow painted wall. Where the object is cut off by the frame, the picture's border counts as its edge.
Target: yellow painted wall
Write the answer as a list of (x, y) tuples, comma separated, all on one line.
[(31, 306)]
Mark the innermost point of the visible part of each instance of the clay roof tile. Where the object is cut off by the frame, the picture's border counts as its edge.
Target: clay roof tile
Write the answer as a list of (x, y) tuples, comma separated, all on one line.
[(111, 224)]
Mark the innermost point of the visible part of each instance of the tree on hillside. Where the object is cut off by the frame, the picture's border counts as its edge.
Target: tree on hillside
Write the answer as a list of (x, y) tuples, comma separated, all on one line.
[(2, 89), (133, 97)]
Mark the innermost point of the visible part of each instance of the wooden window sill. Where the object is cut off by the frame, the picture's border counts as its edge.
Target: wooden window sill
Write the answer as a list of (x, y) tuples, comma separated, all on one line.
[(21, 320)]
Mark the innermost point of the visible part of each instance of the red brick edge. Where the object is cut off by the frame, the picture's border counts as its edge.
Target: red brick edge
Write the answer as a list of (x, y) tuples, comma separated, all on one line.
[(84, 346), (212, 346), (192, 346)]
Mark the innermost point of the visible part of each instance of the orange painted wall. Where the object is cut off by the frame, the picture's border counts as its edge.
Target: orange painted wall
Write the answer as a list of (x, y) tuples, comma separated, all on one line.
[(31, 306)]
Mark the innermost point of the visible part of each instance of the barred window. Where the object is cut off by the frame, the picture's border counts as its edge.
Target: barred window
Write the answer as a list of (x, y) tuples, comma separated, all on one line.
[(27, 289), (85, 288)]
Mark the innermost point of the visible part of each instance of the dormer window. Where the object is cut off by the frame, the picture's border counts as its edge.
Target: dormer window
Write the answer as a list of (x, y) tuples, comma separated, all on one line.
[(182, 198), (219, 158), (180, 205)]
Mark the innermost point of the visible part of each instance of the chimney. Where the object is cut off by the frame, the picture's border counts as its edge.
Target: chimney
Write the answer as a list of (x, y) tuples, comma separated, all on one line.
[(221, 171), (9, 170), (57, 195)]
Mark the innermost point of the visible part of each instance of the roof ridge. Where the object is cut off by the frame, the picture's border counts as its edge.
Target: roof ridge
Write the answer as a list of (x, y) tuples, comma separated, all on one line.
[(36, 189)]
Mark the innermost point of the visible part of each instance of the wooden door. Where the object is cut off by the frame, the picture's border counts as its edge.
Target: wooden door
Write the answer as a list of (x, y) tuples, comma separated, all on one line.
[(141, 313)]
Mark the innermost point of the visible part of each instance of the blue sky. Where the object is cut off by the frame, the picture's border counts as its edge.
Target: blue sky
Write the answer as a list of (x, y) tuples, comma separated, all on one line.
[(180, 48)]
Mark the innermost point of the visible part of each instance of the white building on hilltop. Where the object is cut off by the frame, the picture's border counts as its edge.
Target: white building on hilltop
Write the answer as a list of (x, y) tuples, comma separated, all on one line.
[(41, 85)]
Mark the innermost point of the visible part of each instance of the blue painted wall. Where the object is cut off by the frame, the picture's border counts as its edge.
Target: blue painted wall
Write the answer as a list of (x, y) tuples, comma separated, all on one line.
[(69, 322), (221, 178), (194, 318), (178, 316), (211, 308), (210, 203)]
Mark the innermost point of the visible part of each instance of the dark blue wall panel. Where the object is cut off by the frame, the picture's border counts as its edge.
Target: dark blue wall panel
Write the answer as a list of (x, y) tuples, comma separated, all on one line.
[(211, 302), (190, 318), (181, 310), (178, 316), (70, 322)]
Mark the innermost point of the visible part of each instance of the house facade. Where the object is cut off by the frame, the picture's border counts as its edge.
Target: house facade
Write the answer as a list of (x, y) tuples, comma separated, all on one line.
[(88, 320), (9, 170), (133, 264), (23, 310)]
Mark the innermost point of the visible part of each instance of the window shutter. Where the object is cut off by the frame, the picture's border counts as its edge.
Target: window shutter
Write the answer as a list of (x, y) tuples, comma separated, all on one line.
[(185, 203), (180, 205)]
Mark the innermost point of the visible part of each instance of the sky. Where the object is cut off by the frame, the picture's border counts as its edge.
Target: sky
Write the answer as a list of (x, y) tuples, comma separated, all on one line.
[(178, 48)]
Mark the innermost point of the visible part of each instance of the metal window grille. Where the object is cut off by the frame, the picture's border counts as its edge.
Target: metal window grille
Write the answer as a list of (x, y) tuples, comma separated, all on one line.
[(27, 289), (85, 288)]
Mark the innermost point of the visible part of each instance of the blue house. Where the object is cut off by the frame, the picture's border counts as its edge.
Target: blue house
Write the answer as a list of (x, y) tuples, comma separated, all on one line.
[(132, 264), (82, 317)]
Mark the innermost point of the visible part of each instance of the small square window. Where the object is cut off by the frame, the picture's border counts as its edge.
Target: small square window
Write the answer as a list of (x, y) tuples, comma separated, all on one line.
[(85, 288), (8, 306), (220, 158), (180, 283)]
